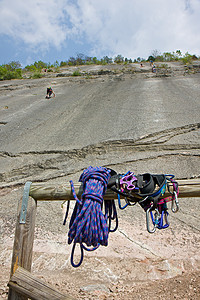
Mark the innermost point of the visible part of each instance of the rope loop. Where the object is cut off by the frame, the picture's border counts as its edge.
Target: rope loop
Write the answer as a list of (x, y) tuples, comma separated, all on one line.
[(72, 256), (88, 224)]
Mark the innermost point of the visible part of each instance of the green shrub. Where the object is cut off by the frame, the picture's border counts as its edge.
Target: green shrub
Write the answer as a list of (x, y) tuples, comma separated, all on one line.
[(76, 73), (30, 68), (6, 73), (57, 69), (63, 63), (164, 66), (3, 72), (40, 65), (119, 59), (37, 75), (89, 63), (187, 59)]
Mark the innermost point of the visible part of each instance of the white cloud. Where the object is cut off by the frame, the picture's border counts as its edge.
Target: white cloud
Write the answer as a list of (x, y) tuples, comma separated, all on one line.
[(35, 22), (131, 28), (135, 28)]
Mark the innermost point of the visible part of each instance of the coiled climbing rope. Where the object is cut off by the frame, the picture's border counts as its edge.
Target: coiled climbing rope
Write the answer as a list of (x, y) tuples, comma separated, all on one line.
[(88, 223)]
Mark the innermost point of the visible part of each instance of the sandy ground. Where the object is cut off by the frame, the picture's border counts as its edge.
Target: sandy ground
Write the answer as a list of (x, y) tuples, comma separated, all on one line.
[(135, 264)]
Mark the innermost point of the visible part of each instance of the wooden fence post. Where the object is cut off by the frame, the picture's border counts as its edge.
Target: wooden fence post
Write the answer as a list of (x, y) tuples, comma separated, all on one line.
[(23, 243)]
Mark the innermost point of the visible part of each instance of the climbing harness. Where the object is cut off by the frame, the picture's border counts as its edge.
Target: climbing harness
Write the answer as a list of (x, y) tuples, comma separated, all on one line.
[(91, 219), (148, 191)]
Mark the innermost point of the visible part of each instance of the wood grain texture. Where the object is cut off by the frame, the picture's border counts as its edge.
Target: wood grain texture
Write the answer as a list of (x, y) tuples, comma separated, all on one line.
[(23, 242), (42, 192), (25, 283)]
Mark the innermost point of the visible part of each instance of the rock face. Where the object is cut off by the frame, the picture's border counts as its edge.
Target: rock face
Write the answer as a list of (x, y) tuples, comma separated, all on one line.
[(169, 69), (122, 117)]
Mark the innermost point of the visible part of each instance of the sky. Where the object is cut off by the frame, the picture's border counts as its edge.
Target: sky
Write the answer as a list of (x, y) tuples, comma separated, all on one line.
[(50, 30)]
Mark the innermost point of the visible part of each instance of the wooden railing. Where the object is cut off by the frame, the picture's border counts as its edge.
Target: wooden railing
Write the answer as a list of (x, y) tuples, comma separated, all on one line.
[(23, 284)]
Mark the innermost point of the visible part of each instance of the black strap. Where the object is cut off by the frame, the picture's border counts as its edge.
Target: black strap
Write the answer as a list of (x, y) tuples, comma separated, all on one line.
[(147, 188), (145, 183), (112, 181)]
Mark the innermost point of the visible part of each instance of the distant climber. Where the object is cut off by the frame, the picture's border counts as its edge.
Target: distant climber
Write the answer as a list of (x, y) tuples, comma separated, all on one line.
[(153, 69), (49, 93)]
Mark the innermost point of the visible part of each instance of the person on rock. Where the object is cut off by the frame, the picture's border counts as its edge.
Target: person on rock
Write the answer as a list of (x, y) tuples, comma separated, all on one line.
[(49, 93)]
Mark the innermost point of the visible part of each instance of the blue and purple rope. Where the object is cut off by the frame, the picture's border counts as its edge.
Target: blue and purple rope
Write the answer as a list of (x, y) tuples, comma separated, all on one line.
[(88, 223)]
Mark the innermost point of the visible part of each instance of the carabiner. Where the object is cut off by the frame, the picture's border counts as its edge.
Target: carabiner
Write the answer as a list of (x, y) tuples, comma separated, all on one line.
[(119, 202), (164, 215), (153, 220), (175, 203)]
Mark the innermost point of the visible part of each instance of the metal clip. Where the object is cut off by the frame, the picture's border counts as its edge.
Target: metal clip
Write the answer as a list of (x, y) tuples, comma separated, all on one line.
[(164, 216), (154, 220), (157, 220), (27, 186), (119, 202), (175, 203)]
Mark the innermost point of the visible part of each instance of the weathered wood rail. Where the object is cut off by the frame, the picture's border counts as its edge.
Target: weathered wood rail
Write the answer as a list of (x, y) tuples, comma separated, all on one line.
[(23, 285), (27, 284), (42, 192)]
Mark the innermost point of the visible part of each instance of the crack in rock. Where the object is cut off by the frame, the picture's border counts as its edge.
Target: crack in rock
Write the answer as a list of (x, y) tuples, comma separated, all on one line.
[(166, 135), (50, 164), (141, 245)]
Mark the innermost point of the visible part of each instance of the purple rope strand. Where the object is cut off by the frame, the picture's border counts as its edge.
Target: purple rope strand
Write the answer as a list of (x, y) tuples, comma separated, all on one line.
[(88, 224)]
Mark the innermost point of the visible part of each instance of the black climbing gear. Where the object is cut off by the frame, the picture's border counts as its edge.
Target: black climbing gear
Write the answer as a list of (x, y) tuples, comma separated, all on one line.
[(148, 191)]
